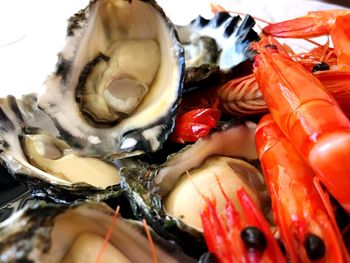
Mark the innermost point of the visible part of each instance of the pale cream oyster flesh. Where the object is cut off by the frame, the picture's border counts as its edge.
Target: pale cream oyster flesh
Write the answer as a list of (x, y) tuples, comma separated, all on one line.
[(185, 200), (200, 168), (118, 80), (170, 195), (76, 234), (36, 155)]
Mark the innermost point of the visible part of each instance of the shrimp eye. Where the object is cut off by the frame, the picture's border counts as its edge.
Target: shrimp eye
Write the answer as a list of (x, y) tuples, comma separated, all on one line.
[(315, 247), (208, 257), (320, 67), (253, 238)]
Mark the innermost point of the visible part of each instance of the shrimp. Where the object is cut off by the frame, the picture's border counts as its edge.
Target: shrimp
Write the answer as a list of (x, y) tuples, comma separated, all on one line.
[(320, 58), (338, 84), (335, 23), (307, 231), (242, 97), (308, 116), (317, 23), (239, 238)]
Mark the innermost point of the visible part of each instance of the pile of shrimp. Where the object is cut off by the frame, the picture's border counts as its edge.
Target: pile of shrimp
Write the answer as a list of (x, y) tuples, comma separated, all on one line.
[(302, 140)]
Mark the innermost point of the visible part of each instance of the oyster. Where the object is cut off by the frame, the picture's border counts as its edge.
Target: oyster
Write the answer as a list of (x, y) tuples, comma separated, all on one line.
[(118, 80), (213, 48), (64, 234), (170, 200), (33, 152)]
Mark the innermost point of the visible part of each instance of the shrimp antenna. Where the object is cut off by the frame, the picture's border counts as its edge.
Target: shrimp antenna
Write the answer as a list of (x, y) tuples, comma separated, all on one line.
[(150, 241), (205, 198), (108, 236), (221, 188)]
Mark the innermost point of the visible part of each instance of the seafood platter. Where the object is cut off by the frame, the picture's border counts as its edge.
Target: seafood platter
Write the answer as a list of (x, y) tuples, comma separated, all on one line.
[(214, 140)]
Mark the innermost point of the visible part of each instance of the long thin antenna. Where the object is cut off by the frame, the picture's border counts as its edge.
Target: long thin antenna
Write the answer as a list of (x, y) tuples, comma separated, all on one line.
[(150, 240), (108, 236)]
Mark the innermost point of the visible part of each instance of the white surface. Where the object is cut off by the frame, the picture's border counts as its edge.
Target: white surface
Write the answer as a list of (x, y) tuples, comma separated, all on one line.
[(32, 32)]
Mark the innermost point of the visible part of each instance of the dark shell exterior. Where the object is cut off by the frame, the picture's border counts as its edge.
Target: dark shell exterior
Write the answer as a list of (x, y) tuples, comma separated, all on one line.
[(233, 37)]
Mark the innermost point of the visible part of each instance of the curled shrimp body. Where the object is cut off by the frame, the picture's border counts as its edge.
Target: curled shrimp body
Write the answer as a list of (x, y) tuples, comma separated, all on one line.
[(242, 96), (308, 116), (298, 209)]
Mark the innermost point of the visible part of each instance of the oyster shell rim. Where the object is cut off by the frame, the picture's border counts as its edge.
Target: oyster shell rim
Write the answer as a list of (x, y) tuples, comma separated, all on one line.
[(129, 142), (42, 217), (57, 190)]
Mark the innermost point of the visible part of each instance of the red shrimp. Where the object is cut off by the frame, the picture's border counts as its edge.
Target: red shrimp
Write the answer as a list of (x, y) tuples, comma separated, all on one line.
[(240, 237), (335, 23), (306, 229), (308, 115)]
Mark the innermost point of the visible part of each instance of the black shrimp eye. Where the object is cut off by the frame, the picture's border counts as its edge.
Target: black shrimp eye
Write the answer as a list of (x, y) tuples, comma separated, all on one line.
[(315, 247), (253, 238), (208, 257), (320, 67)]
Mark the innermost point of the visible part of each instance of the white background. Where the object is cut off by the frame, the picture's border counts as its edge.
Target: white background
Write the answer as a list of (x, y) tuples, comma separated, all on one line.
[(32, 32)]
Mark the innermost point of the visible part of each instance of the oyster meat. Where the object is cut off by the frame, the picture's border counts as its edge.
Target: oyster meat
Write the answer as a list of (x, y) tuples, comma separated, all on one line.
[(170, 199), (34, 153), (54, 234), (118, 80), (185, 202)]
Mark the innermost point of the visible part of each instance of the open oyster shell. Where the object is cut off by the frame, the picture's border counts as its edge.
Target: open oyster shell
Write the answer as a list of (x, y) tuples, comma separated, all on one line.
[(156, 192), (118, 80), (33, 152), (213, 48), (55, 233)]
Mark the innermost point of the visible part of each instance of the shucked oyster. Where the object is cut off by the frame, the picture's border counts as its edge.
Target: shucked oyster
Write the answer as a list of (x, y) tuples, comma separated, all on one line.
[(35, 154), (61, 234), (171, 201), (118, 80)]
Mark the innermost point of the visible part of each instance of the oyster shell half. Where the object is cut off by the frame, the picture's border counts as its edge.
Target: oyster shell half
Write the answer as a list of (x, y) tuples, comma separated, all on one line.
[(213, 48), (118, 80), (170, 200), (53, 234), (33, 152)]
